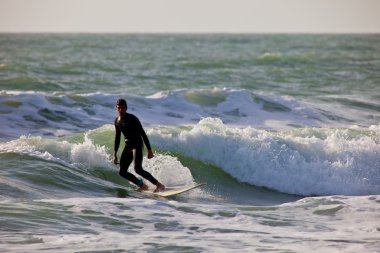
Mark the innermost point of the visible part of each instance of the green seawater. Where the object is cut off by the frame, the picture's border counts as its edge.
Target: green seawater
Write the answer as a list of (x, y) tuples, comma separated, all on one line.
[(283, 130)]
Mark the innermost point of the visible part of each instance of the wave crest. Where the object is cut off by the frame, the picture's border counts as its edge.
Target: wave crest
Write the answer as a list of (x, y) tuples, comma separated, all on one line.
[(309, 161)]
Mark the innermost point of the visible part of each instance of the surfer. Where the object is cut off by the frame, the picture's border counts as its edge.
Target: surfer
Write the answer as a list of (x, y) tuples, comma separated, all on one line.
[(134, 135)]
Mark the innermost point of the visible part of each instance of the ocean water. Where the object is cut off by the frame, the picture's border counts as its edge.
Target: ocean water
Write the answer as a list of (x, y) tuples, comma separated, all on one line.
[(284, 130)]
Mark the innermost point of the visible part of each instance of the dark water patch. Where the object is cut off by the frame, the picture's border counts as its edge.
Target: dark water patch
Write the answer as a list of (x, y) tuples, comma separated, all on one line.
[(205, 98), (5, 111), (276, 223), (235, 112), (36, 120), (166, 247), (174, 115), (12, 103), (163, 215), (56, 116), (194, 210), (103, 251), (328, 211), (168, 226), (227, 214), (270, 106), (359, 104)]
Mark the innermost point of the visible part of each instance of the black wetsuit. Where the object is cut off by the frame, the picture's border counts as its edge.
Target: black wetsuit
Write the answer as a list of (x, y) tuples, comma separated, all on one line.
[(134, 134)]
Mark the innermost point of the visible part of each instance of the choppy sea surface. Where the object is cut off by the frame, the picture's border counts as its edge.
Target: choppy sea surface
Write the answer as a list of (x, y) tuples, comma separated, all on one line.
[(284, 130)]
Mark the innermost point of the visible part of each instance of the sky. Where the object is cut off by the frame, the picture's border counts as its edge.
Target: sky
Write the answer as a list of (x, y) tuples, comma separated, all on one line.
[(190, 16)]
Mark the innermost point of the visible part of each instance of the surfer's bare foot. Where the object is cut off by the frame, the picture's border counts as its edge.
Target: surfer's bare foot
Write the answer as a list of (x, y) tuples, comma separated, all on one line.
[(160, 187), (143, 187)]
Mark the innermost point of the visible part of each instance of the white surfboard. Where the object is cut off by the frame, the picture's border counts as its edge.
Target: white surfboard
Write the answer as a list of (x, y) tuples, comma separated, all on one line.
[(171, 191)]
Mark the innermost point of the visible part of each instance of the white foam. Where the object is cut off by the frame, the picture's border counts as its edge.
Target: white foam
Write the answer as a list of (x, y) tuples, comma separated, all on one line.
[(168, 170), (309, 161), (89, 153)]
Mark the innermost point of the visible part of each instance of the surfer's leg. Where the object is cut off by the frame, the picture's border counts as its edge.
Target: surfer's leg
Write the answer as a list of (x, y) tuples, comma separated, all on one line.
[(138, 158), (125, 161), (138, 153)]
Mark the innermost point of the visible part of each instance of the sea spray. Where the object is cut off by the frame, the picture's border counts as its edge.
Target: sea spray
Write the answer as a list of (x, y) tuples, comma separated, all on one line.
[(59, 151)]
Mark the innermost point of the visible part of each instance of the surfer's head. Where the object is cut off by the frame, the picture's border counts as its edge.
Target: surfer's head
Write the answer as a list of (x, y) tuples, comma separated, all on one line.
[(121, 106)]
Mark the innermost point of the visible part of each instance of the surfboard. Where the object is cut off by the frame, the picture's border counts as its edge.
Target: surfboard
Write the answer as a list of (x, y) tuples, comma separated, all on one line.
[(171, 191)]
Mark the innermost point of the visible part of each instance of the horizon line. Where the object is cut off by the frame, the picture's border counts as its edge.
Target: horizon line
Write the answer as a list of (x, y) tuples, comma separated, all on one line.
[(189, 33)]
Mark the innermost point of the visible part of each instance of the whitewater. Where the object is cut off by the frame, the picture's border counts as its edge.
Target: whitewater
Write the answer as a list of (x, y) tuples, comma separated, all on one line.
[(284, 130)]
